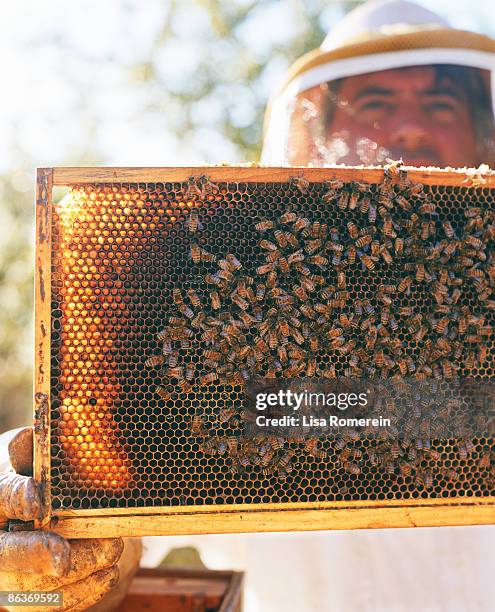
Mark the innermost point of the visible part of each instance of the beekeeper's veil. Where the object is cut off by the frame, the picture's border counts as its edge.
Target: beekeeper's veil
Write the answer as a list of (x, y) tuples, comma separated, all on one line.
[(380, 35)]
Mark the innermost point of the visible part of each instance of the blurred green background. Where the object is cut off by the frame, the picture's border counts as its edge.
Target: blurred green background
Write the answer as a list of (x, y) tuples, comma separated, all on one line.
[(124, 82)]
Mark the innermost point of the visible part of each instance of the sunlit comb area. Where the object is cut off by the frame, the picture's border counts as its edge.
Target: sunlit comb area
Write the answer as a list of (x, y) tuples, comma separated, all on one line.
[(141, 413), (103, 239)]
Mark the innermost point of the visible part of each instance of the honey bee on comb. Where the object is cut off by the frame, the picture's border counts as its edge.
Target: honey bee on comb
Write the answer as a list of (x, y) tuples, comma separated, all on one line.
[(200, 186), (301, 184)]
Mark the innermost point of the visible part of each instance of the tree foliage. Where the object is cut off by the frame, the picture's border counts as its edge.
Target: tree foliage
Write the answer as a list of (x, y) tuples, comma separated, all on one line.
[(205, 81)]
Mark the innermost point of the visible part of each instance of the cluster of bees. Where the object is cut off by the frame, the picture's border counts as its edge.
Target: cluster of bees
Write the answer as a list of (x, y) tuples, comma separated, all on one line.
[(298, 314)]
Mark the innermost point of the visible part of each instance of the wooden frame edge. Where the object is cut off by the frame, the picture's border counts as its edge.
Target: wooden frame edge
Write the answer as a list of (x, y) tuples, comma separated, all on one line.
[(233, 598), (116, 513), (42, 317), (435, 176), (194, 523)]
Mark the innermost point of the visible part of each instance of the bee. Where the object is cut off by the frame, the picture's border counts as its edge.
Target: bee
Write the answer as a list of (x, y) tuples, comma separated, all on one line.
[(209, 447), (164, 335), (337, 342), (343, 200), (288, 217), (154, 361), (448, 229), (363, 241), (193, 222), (385, 316), (387, 258), (354, 199), (175, 372), (281, 238), (215, 300), (212, 355), (193, 187), (208, 379), (319, 260), (265, 268), (472, 211), (300, 183), (351, 254), (275, 443), (427, 229), (352, 468), (448, 249), (311, 368), (292, 240), (420, 272), (239, 301), (485, 460), (285, 459), (399, 246), (301, 223), (452, 475), (372, 213), (264, 225), (380, 358), (312, 245), (307, 311), (232, 446), (441, 325), (474, 242), (163, 392), (368, 262), (283, 265), (403, 202), (353, 230), (427, 208), (333, 189), (233, 261), (388, 228), (416, 189), (186, 311), (404, 285), (375, 249), (195, 253), (177, 296), (197, 428), (394, 450), (206, 186), (193, 298), (267, 245), (173, 359), (428, 479)]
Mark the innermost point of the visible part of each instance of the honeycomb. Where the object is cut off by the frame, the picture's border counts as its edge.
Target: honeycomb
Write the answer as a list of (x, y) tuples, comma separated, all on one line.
[(125, 433)]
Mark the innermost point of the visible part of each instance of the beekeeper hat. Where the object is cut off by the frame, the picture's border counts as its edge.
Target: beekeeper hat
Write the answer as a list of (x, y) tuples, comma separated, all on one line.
[(379, 35)]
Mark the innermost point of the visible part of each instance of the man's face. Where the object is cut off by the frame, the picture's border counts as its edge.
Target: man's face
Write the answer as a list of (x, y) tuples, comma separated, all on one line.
[(402, 113)]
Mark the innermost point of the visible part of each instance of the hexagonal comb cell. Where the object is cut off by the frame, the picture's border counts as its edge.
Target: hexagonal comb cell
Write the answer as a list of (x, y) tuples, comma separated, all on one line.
[(147, 394)]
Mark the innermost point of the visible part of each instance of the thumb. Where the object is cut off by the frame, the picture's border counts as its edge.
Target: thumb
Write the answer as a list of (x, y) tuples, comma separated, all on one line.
[(33, 552), (19, 497), (21, 452)]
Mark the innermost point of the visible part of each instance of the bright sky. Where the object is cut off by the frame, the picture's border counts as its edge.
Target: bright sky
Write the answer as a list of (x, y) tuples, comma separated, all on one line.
[(65, 77)]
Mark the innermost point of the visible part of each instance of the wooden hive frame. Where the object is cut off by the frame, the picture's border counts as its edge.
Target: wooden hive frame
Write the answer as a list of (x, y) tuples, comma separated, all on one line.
[(109, 522)]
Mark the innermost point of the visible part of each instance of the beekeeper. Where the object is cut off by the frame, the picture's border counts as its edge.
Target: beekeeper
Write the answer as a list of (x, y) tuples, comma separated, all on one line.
[(392, 80)]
